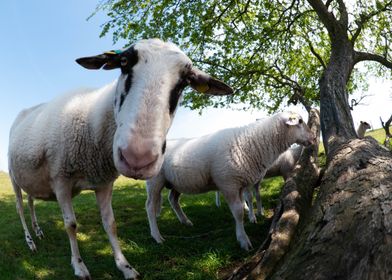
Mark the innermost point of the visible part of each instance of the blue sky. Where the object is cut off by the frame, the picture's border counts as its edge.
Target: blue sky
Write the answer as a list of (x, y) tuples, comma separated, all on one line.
[(40, 41)]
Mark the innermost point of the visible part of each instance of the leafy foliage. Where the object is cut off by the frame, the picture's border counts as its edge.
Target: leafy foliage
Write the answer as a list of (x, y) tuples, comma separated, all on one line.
[(271, 52)]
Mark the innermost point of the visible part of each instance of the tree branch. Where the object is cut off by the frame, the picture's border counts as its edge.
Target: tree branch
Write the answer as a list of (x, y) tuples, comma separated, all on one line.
[(316, 54), (365, 18), (343, 13), (356, 102), (364, 56), (327, 18)]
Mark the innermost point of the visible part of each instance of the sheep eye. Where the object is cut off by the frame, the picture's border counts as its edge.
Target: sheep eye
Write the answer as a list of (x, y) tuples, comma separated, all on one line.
[(123, 61), (301, 121)]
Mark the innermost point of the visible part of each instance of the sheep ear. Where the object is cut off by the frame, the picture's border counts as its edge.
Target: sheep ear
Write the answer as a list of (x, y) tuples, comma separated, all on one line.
[(204, 83), (109, 60), (293, 120)]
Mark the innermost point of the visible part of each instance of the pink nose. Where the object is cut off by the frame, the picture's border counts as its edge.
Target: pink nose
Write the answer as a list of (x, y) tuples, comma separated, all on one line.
[(137, 157)]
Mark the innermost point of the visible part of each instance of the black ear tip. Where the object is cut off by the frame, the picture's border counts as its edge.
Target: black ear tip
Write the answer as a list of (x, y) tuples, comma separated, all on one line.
[(226, 89), (78, 61), (90, 62)]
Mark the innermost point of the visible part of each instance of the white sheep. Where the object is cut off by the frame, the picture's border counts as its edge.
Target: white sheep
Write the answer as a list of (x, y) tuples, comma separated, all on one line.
[(83, 140), (363, 126), (228, 160), (283, 166)]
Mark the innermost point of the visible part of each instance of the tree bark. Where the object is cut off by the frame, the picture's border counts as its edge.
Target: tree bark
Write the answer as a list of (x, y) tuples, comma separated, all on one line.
[(349, 234), (337, 124)]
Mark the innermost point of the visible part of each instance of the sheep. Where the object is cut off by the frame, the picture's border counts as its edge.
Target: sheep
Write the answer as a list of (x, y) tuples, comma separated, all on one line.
[(228, 160), (363, 126), (283, 166), (85, 139)]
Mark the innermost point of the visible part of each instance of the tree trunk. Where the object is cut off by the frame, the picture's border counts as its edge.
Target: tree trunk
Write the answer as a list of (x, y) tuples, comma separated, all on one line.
[(349, 234), (337, 124)]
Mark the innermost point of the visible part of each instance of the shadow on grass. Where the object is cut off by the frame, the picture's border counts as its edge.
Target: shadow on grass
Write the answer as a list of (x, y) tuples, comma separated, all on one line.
[(196, 252)]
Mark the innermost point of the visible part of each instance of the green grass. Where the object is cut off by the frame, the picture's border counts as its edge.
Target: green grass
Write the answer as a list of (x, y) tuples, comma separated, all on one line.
[(197, 252)]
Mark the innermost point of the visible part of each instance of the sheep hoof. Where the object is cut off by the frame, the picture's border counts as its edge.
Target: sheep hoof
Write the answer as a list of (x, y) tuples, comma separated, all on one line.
[(159, 239), (130, 273), (39, 233), (246, 244), (30, 243), (253, 220), (80, 269), (260, 213), (188, 223)]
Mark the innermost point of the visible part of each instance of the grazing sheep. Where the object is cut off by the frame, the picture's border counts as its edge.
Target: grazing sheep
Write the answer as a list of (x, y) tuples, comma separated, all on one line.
[(228, 160), (83, 140), (363, 126)]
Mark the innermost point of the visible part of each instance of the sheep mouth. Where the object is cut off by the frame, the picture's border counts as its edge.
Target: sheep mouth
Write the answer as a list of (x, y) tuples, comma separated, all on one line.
[(144, 172)]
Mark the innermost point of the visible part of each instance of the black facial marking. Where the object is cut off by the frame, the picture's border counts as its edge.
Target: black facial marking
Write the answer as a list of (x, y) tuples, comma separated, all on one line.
[(175, 94), (164, 147), (132, 59), (122, 98)]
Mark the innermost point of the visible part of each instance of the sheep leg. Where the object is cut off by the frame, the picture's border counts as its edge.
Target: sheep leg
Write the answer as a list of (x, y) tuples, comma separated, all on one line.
[(159, 207), (154, 188), (103, 196), (217, 199), (233, 199), (64, 198), (19, 210), (173, 199), (249, 201), (260, 209), (38, 231)]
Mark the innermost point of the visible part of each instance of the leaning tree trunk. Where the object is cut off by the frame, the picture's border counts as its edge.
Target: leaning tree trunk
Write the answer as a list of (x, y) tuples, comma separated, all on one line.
[(349, 235)]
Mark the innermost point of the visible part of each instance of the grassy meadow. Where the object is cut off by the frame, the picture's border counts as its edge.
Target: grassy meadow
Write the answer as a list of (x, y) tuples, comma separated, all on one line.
[(203, 251), (199, 252)]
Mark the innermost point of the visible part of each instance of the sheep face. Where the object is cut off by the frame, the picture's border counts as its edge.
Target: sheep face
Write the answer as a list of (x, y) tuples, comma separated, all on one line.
[(365, 125), (153, 76), (298, 130)]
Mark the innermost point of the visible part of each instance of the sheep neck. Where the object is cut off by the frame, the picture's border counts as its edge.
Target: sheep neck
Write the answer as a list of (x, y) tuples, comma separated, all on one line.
[(102, 128)]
